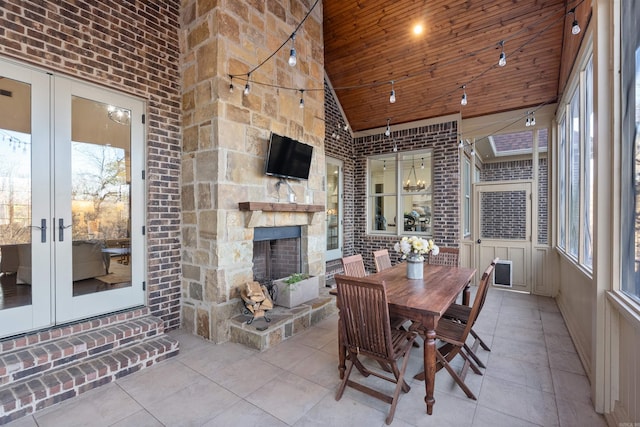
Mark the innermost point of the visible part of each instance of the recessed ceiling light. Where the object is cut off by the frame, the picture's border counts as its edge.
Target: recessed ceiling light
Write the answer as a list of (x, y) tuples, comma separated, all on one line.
[(417, 29)]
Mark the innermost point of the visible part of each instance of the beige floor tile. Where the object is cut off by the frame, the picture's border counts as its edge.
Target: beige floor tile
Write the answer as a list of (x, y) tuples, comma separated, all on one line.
[(566, 361), (139, 419), (105, 405), (193, 405), (526, 403), (524, 351), (570, 386), (287, 354), (156, 382), (246, 375), (343, 413), (320, 368), (288, 397), (214, 357), (520, 372), (578, 414), (485, 417), (553, 323), (244, 414), (316, 337)]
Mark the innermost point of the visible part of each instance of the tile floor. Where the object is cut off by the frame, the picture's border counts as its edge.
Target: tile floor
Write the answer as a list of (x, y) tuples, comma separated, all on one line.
[(533, 378)]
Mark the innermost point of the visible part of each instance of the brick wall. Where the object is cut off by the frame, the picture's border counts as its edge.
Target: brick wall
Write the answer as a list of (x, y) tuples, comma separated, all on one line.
[(502, 215), (131, 47), (442, 139), (523, 169)]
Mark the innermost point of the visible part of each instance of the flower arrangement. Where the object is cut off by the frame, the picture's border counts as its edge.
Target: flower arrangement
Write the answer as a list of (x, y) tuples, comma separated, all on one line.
[(416, 247)]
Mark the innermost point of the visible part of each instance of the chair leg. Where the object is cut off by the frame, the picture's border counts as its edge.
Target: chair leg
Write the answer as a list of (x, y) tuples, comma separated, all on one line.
[(474, 356), (482, 344), (455, 376), (400, 385)]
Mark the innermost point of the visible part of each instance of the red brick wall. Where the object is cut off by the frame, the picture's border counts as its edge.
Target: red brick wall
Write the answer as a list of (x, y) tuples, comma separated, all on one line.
[(131, 47)]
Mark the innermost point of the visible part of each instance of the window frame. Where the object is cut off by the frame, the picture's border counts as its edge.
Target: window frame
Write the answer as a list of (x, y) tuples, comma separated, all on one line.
[(397, 159)]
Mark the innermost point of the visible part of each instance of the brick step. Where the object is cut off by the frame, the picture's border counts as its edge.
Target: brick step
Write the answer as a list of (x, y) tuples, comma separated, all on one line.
[(29, 395), (26, 362), (56, 332)]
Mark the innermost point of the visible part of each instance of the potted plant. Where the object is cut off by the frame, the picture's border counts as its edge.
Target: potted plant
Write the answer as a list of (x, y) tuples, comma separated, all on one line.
[(296, 289)]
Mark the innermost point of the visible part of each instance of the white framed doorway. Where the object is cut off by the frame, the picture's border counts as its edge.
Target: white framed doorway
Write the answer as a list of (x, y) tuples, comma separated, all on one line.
[(334, 203), (71, 200), (503, 229)]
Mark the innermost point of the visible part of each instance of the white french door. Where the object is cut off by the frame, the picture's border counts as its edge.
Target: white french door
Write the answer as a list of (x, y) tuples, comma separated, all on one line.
[(71, 200)]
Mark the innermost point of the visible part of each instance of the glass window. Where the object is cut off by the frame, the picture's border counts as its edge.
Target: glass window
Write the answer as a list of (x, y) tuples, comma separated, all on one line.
[(400, 193), (574, 174), (631, 149), (466, 182), (562, 184), (588, 167)]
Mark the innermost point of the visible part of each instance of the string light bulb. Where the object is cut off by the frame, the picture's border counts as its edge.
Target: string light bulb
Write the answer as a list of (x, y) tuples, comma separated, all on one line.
[(231, 84), (388, 131), (392, 96), (575, 28), (293, 57), (503, 56), (247, 88), (528, 122), (384, 165), (422, 165), (533, 118), (301, 98), (463, 101), (461, 144)]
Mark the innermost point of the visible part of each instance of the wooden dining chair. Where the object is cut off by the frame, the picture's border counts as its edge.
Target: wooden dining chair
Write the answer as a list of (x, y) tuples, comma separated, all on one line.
[(366, 331), (453, 334), (447, 256), (382, 259), (461, 312), (354, 266)]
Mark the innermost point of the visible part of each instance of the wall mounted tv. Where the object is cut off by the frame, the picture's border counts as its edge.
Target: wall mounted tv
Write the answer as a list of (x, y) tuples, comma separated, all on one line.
[(288, 158)]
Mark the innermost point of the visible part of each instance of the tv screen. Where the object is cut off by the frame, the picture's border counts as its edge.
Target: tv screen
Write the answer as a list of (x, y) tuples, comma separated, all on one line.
[(288, 158)]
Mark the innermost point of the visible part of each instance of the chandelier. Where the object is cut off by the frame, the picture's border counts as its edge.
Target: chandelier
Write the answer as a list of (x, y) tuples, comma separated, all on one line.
[(409, 186)]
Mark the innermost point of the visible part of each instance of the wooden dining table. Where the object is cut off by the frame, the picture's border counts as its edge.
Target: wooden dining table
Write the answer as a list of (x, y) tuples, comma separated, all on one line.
[(423, 301)]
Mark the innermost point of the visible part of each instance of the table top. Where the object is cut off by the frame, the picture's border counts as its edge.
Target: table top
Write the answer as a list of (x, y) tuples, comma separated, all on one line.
[(431, 295)]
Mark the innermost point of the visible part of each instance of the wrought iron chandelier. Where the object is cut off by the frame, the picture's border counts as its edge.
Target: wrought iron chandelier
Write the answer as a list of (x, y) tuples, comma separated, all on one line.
[(419, 185)]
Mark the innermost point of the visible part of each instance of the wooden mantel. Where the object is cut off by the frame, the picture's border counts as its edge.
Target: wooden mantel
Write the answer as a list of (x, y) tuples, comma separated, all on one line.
[(279, 207), (257, 208)]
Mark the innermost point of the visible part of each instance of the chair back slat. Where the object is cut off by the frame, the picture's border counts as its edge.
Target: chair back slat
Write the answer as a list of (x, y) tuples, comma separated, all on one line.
[(364, 314), (382, 259), (481, 295), (447, 256), (354, 266)]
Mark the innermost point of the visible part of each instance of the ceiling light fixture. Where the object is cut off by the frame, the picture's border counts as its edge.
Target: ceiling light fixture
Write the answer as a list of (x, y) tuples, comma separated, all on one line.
[(392, 97), (119, 115), (293, 59), (463, 101), (417, 29), (503, 56), (419, 185)]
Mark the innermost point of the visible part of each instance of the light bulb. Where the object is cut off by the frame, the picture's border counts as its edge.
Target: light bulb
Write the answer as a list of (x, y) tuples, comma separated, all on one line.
[(392, 97), (422, 166), (301, 103), (528, 123), (387, 132), (461, 144), (463, 101), (247, 89), (575, 28), (345, 127), (503, 59), (231, 87), (384, 165), (533, 119), (293, 60)]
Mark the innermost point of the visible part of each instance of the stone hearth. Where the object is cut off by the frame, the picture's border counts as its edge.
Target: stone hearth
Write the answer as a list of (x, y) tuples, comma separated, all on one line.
[(284, 324)]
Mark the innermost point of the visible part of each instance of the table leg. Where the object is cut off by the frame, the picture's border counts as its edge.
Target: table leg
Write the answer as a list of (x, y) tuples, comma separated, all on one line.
[(430, 368), (466, 294)]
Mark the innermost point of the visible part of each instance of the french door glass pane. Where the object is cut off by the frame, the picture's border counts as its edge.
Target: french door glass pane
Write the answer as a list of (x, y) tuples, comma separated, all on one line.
[(15, 193), (333, 206), (101, 202)]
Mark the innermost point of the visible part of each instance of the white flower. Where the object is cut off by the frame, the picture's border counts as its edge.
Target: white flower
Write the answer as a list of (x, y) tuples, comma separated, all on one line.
[(415, 246)]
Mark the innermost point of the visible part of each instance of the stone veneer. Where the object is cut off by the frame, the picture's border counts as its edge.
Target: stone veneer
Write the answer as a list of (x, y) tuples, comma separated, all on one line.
[(225, 141)]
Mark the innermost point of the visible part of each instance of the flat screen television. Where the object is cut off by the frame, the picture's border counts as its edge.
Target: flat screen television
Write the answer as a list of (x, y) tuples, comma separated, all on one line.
[(288, 158)]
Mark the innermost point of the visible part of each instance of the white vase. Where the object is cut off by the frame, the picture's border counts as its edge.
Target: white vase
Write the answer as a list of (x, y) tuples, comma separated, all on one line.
[(415, 268)]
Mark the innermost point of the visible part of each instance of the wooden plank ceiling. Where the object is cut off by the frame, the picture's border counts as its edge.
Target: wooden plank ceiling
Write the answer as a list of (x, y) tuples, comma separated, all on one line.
[(369, 43)]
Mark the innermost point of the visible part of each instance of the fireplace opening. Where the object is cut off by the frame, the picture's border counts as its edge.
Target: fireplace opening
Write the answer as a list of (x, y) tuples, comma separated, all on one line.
[(276, 254)]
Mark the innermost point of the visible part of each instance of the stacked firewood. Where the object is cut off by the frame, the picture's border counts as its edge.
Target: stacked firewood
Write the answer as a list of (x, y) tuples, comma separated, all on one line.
[(256, 299)]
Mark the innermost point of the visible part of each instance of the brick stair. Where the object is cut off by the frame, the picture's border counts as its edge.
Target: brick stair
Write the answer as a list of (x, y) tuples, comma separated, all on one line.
[(47, 367)]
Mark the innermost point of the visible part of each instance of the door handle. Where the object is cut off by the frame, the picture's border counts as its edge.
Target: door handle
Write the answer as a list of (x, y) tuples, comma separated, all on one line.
[(61, 228), (43, 230), (479, 241)]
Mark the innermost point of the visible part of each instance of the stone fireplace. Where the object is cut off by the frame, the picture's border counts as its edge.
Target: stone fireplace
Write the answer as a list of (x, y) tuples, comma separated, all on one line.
[(276, 253)]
